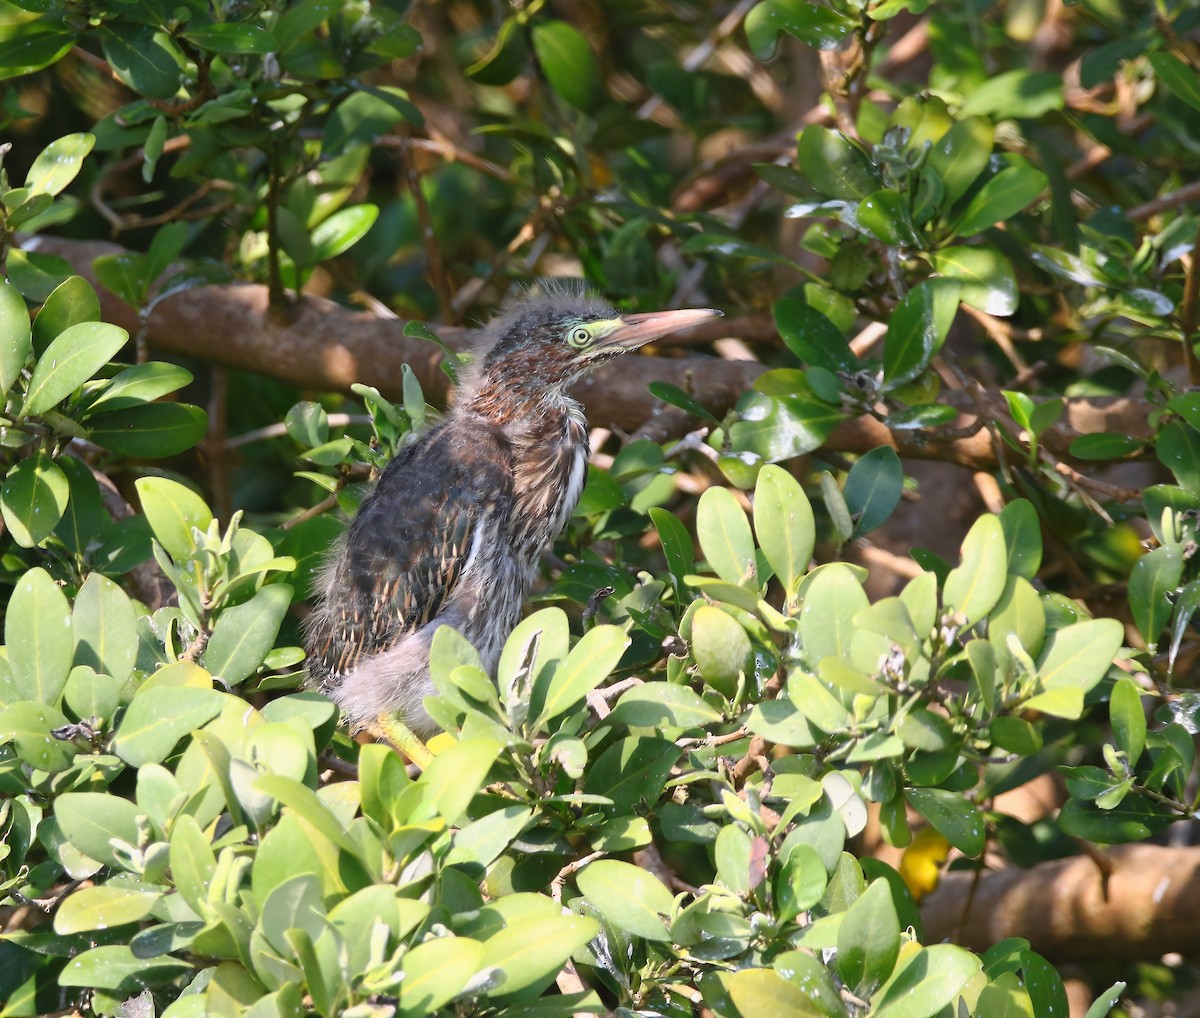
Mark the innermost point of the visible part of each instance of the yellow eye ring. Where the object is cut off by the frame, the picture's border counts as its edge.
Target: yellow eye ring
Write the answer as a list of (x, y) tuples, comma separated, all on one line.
[(579, 337)]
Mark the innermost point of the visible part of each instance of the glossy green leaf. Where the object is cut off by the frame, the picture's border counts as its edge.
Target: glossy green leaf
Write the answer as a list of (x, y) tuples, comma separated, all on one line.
[(105, 627), (885, 215), (159, 717), (568, 63), (725, 537), (435, 972), (244, 634), (784, 525), (534, 948), (29, 727), (654, 704), (918, 328), (115, 967), (834, 165), (721, 649), (960, 155), (1079, 655), (674, 395), (1104, 446), (506, 58), (1022, 537), (1017, 93), (193, 862), (230, 37), (1128, 718), (1010, 191), (1153, 583), (58, 163), (873, 488), (143, 59), (101, 907), (70, 360), (869, 940), (33, 499), (758, 991), (985, 277), (588, 664), (975, 586), (38, 636), (773, 429), (152, 431), (34, 47), (1178, 449), (93, 821), (928, 981), (811, 23), (140, 384), (15, 334), (831, 601), (630, 897), (812, 337), (455, 776), (174, 511), (675, 540), (342, 230), (952, 816)]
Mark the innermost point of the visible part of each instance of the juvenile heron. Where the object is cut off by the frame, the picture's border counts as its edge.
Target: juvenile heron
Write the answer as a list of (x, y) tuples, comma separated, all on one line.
[(454, 529)]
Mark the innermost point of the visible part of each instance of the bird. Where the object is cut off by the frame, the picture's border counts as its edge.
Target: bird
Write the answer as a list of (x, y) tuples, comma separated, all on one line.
[(457, 522)]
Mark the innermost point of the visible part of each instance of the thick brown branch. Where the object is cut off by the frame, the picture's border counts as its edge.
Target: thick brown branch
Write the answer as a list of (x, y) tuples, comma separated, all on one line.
[(1150, 904)]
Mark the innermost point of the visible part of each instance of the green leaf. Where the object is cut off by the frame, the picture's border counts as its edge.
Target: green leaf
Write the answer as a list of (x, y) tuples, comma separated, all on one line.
[(873, 488), (534, 948), (654, 704), (33, 499), (833, 597), (244, 634), (929, 981), (774, 429), (15, 334), (342, 230), (834, 165), (1177, 76), (102, 907), (455, 776), (29, 727), (1020, 93), (675, 540), (38, 636), (69, 361), (138, 385), (1106, 1001), (505, 60), (721, 649), (811, 23), (1178, 449), (960, 156), (952, 816), (105, 627), (869, 940), (568, 63), (918, 328), (986, 277), (588, 664), (141, 58), (1104, 446), (885, 215), (151, 431), (193, 862), (92, 821), (1128, 718), (174, 511), (812, 337), (1001, 198), (1080, 655), (725, 537), (975, 586), (73, 301), (1022, 537), (758, 991), (159, 717), (784, 525), (228, 37), (33, 47), (58, 163), (435, 972), (1152, 586), (631, 898), (674, 395)]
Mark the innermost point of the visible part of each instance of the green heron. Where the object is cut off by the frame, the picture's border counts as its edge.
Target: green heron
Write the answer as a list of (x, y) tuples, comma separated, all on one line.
[(454, 529)]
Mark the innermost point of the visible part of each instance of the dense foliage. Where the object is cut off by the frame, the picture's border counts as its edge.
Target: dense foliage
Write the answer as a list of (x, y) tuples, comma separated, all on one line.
[(680, 789)]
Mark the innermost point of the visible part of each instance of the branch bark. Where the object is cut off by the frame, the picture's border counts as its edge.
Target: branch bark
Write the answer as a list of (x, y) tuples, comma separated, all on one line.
[(321, 346), (1149, 905)]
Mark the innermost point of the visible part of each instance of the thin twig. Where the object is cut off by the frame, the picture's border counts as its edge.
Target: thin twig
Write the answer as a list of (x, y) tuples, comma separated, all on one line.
[(1188, 312), (1185, 194), (433, 253)]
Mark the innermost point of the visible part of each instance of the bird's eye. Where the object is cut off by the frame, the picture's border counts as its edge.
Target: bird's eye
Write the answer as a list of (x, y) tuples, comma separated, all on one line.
[(579, 337)]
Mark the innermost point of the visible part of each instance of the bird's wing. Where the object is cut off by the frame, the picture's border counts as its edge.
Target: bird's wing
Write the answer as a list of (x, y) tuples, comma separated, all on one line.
[(406, 549)]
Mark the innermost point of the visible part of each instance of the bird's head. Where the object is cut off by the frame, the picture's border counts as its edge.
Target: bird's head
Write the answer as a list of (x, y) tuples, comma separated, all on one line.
[(543, 342)]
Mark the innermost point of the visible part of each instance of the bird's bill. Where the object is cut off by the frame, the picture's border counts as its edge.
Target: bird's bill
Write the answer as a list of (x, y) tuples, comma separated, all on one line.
[(632, 331)]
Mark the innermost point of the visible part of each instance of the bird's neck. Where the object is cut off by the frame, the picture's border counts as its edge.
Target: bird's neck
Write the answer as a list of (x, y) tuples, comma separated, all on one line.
[(514, 404)]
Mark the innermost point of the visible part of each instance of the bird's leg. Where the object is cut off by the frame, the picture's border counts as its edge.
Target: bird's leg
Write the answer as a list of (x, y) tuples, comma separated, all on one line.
[(394, 731)]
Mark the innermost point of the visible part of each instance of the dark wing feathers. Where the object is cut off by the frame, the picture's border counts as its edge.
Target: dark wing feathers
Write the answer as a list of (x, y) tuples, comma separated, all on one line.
[(406, 548)]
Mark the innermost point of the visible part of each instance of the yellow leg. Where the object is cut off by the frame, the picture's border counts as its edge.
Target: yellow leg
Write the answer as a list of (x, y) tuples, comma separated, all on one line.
[(400, 736)]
